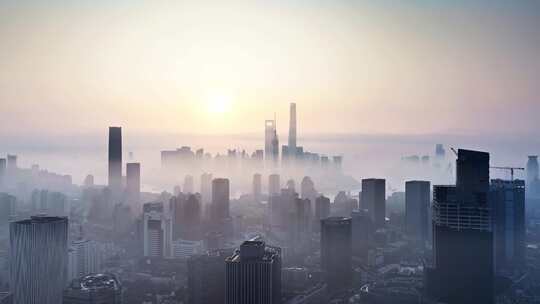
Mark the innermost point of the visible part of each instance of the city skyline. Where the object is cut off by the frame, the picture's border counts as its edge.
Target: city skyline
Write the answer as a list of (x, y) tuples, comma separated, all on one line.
[(426, 67)]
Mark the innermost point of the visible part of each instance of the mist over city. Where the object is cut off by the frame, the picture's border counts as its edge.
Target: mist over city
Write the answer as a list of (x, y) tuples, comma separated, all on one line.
[(269, 152)]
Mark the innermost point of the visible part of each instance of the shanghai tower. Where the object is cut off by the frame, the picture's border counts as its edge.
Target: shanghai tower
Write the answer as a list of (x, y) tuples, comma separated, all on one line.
[(115, 159)]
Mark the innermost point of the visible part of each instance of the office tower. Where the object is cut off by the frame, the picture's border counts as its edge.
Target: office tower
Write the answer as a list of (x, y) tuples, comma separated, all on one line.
[(206, 188), (307, 189), (115, 159), (292, 131), (336, 252), (463, 269), (189, 186), (417, 197), (274, 184), (507, 201), (176, 208), (88, 181), (270, 138), (38, 263), (133, 186), (94, 289), (83, 258), (322, 208), (7, 207), (157, 231), (533, 179), (220, 199), (3, 172), (301, 226), (253, 274), (206, 277), (192, 217), (362, 234), (257, 187), (291, 185), (374, 200), (11, 162)]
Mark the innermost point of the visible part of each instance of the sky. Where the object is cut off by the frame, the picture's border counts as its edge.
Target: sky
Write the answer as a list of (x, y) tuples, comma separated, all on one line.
[(219, 67)]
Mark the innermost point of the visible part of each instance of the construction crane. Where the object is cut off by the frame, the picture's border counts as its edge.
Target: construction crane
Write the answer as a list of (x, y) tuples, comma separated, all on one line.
[(511, 169)]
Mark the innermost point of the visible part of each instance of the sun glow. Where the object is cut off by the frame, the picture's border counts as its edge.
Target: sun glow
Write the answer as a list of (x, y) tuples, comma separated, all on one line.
[(219, 103)]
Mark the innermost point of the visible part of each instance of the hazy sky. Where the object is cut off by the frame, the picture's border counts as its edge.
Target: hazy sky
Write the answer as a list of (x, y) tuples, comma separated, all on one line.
[(225, 66)]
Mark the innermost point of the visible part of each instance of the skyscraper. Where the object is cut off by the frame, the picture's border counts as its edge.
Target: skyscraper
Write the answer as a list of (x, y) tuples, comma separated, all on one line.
[(362, 234), (11, 162), (507, 202), (3, 170), (463, 269), (115, 159), (533, 179), (220, 199), (189, 185), (292, 132), (133, 185), (336, 252), (271, 142), (274, 184), (253, 274), (206, 188), (322, 208), (257, 187), (38, 263), (374, 200), (157, 231), (417, 196), (206, 277)]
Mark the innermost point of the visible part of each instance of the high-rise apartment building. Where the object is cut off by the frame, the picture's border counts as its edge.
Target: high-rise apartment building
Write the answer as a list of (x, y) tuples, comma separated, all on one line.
[(157, 231)]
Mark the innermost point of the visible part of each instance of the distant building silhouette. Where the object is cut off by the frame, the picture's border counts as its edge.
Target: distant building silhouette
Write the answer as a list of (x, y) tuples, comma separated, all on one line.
[(336, 252), (374, 200), (533, 179), (115, 160), (274, 184), (38, 263), (257, 187), (133, 186), (253, 274), (220, 199), (3, 172)]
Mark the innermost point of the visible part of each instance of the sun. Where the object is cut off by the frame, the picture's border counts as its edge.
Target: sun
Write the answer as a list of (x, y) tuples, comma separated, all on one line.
[(219, 103)]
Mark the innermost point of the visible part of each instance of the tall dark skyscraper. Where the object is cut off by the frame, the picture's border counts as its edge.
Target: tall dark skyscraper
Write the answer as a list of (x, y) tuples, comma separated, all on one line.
[(133, 185), (39, 259), (362, 234), (336, 252), (417, 196), (463, 270), (253, 274), (115, 159), (220, 199), (292, 131), (374, 200), (507, 201)]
